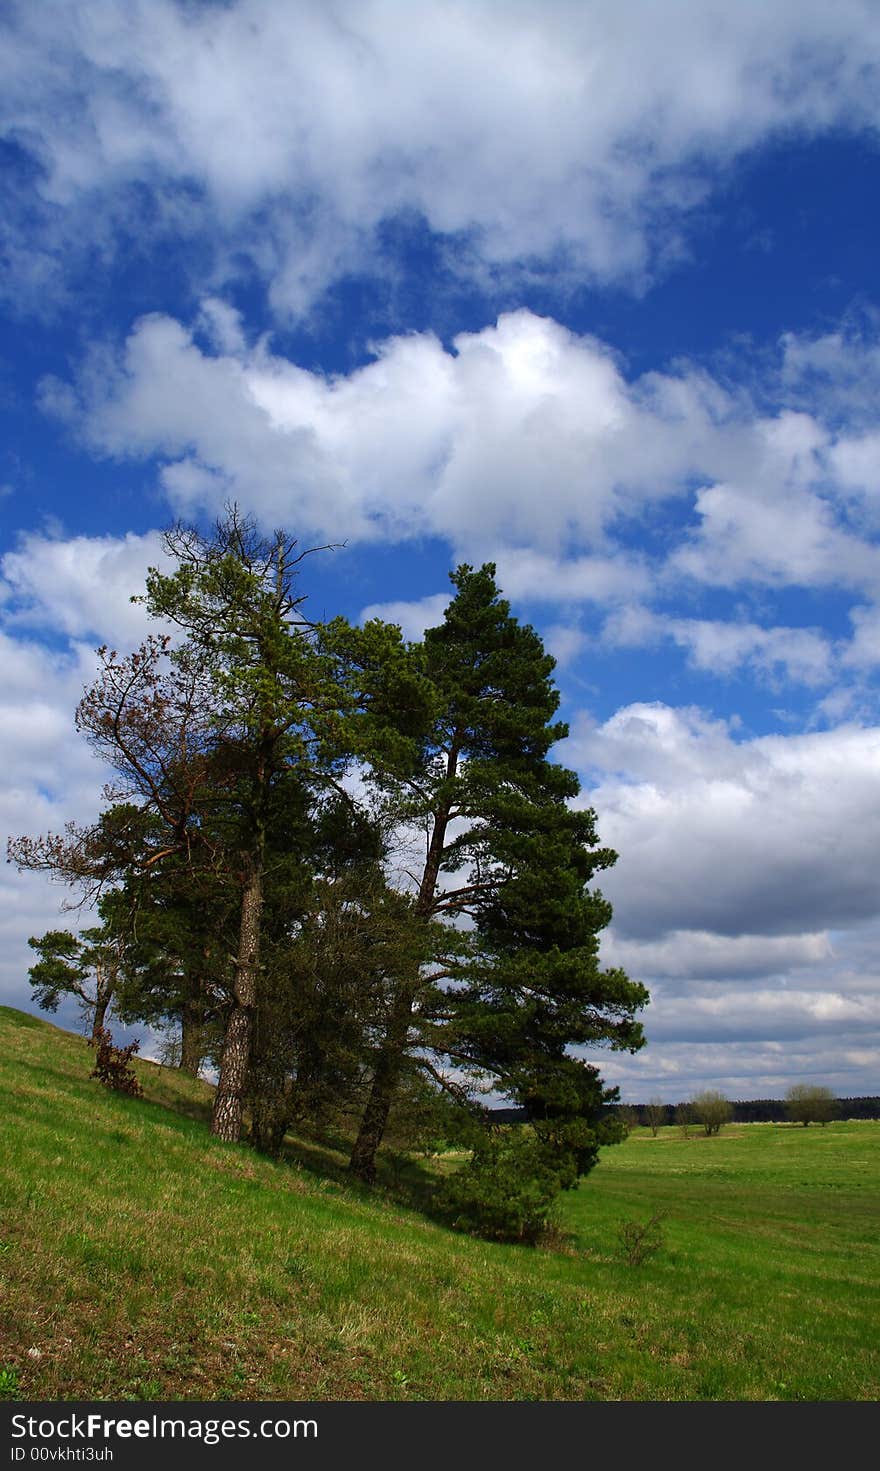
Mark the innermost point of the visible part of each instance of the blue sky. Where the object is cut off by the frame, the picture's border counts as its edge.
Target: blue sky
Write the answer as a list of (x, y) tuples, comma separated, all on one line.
[(589, 293)]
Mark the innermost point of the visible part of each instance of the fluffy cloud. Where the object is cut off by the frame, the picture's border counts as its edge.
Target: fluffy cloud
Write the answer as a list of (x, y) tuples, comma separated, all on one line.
[(523, 441), (78, 590), (532, 130), (773, 836), (521, 433), (755, 1014), (50, 777), (800, 654), (523, 444), (413, 617), (79, 586)]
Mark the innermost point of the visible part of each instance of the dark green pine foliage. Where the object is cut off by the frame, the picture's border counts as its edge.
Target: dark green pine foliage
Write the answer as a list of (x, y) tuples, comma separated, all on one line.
[(324, 891), (178, 922), (84, 966), (516, 980), (536, 989)]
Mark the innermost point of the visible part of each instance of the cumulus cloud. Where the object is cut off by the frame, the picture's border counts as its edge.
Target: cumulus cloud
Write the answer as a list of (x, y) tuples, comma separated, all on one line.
[(773, 520), (77, 590), (522, 442), (838, 370), (569, 131), (412, 617), (774, 835), (605, 580), (49, 777), (750, 1069), (758, 1015), (522, 432), (80, 586), (724, 647)]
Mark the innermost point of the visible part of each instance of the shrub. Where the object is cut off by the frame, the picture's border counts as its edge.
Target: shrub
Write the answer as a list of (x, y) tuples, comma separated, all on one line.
[(507, 1191), (638, 1240), (113, 1064)]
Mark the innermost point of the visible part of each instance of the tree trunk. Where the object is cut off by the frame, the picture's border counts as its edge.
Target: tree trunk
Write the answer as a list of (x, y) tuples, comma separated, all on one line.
[(191, 1038), (389, 1062), (270, 1116), (101, 1005), (232, 1082), (385, 1078)]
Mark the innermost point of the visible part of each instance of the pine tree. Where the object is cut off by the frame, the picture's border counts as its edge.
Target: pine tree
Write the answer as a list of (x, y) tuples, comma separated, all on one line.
[(215, 739), (507, 856), (86, 966), (277, 698)]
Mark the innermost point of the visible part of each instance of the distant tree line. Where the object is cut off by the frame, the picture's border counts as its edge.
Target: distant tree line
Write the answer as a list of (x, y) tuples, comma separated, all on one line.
[(346, 870), (743, 1111)]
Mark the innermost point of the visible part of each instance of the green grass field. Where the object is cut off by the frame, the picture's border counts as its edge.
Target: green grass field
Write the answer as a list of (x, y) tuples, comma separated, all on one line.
[(140, 1259)]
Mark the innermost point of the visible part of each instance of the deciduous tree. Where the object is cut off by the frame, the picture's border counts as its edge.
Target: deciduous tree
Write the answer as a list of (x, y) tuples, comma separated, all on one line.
[(655, 1114), (711, 1109), (809, 1103)]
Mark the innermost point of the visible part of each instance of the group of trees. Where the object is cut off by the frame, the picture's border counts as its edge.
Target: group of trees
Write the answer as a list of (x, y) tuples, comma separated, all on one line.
[(804, 1103), (345, 864)]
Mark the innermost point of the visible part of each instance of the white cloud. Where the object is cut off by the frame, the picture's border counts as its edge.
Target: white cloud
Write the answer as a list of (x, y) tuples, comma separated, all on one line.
[(524, 444), (778, 536), (863, 650), (725, 647), (773, 517), (49, 777), (564, 642), (856, 461), (80, 586), (78, 590), (752, 1013), (538, 130), (676, 1071), (700, 954), (523, 436), (774, 835), (837, 372), (533, 576), (413, 617)]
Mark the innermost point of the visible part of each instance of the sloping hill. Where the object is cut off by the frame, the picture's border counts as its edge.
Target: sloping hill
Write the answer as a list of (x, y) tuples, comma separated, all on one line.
[(139, 1258)]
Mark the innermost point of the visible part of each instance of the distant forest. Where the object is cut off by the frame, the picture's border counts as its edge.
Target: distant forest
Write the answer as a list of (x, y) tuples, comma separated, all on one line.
[(749, 1111)]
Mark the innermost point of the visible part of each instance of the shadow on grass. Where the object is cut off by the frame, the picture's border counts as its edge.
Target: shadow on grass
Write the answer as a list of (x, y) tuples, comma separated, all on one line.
[(401, 1179)]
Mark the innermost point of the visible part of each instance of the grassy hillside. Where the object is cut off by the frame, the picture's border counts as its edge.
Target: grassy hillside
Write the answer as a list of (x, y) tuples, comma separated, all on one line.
[(140, 1259)]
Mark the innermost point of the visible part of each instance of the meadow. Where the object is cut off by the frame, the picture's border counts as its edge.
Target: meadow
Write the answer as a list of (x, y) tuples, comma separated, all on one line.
[(140, 1259)]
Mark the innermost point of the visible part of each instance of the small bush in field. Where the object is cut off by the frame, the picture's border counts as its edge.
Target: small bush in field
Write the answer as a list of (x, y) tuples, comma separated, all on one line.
[(113, 1064), (638, 1240), (507, 1191)]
